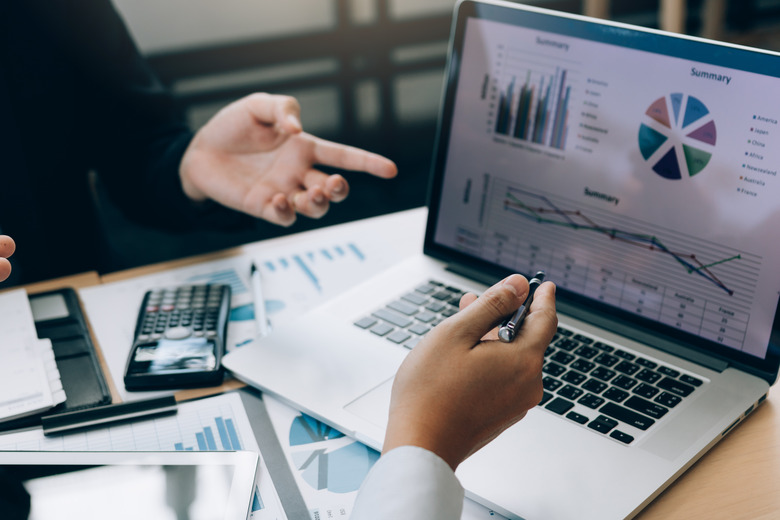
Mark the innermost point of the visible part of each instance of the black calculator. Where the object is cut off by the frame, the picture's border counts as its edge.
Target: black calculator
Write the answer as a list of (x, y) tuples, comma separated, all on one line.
[(179, 338)]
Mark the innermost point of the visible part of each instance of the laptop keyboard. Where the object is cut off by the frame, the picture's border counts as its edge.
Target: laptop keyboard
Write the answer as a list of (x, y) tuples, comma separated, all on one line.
[(605, 388)]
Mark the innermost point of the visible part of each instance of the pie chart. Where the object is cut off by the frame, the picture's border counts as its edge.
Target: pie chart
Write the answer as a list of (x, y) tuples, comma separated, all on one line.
[(678, 136)]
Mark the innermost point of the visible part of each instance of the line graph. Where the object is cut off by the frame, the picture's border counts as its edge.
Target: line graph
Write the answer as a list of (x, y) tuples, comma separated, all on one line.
[(688, 281), (575, 219)]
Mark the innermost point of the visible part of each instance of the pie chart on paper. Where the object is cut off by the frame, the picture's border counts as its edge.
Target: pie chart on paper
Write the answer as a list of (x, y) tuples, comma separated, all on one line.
[(678, 136)]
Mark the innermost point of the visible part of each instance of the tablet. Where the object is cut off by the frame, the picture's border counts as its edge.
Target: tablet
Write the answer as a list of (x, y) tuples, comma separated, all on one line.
[(191, 485)]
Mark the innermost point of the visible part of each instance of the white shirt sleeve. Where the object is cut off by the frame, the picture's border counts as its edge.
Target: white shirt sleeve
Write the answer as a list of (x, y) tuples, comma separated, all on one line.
[(410, 483)]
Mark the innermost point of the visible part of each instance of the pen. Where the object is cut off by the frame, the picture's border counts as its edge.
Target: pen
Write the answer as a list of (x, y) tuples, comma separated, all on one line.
[(79, 419), (257, 289), (511, 325)]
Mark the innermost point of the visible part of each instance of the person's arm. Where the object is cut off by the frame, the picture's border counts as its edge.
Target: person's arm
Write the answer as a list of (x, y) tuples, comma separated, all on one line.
[(7, 248), (456, 391)]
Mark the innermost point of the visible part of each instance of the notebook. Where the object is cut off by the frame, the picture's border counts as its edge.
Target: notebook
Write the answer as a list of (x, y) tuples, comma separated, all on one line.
[(637, 169)]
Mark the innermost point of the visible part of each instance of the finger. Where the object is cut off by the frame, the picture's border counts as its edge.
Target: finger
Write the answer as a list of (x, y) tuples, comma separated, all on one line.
[(7, 246), (355, 159), (466, 300), (279, 211), (472, 323), (5, 269), (542, 321), (313, 203), (336, 188), (281, 111)]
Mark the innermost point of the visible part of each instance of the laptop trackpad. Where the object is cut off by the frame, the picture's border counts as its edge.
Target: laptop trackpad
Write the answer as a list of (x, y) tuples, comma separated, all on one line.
[(374, 405)]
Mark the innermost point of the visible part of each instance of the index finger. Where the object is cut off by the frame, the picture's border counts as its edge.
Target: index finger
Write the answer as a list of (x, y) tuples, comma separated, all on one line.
[(351, 158), (541, 322)]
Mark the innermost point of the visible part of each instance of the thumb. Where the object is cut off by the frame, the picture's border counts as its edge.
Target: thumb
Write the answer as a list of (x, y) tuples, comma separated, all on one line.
[(495, 304)]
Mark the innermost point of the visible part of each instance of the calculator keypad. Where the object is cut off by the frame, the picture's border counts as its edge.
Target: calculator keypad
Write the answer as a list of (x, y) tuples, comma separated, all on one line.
[(181, 312)]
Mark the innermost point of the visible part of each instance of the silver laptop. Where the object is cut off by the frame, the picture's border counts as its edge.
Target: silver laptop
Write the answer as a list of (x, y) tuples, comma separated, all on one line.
[(638, 170)]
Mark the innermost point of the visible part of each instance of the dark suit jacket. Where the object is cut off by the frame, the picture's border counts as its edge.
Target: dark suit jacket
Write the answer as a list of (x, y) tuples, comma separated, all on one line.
[(76, 96)]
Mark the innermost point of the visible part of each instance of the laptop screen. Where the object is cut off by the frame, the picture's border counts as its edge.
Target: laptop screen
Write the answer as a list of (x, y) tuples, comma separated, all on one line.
[(637, 169)]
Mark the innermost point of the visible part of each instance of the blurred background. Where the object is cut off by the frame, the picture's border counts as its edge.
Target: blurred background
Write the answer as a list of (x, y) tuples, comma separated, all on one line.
[(366, 72)]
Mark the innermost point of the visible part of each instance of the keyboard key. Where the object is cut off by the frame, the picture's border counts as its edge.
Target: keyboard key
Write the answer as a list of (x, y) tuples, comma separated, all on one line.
[(606, 359), (582, 366), (625, 355), (436, 306), (645, 391), (675, 386), (567, 344), (419, 329), (553, 369), (414, 298), (449, 311), (403, 308), (425, 289), (602, 424), (570, 392), (413, 341), (564, 332), (380, 329), (366, 322), (591, 401), (690, 380), (399, 336), (425, 317), (392, 317), (559, 405), (603, 346), (587, 352), (668, 371), (627, 368), (594, 385), (627, 416), (576, 417), (551, 384), (668, 399), (615, 394), (645, 363), (624, 382), (546, 396), (622, 437), (574, 377), (602, 373), (442, 295), (583, 339), (562, 357), (648, 376), (656, 411)]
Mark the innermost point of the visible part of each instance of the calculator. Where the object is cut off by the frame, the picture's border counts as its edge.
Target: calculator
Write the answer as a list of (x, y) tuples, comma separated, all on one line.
[(179, 338)]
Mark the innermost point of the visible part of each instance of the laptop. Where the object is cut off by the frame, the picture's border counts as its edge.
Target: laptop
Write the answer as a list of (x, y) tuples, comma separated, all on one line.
[(637, 169)]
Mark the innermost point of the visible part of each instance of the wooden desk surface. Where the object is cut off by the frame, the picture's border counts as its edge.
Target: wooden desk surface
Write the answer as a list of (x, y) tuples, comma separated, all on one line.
[(737, 478)]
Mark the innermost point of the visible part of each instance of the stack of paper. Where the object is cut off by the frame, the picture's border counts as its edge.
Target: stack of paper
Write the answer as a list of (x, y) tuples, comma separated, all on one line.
[(29, 378)]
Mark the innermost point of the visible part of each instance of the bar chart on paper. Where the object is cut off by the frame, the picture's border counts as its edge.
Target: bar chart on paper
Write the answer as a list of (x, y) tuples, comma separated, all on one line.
[(216, 424)]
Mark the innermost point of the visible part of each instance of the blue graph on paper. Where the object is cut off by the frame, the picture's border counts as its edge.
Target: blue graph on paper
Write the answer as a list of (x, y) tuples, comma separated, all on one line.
[(309, 263), (228, 441)]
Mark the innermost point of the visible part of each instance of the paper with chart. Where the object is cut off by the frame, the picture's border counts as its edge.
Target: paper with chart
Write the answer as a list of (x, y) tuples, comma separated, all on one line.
[(214, 424), (298, 273), (330, 467), (29, 378)]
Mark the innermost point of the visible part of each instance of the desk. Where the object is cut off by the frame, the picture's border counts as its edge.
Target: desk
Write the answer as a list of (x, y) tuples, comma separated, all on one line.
[(736, 479)]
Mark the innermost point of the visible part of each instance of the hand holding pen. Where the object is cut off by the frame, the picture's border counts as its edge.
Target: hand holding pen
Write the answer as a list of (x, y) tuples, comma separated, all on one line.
[(512, 324)]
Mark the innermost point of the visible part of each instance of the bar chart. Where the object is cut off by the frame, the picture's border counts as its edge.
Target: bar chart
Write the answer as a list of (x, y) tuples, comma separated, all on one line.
[(533, 100)]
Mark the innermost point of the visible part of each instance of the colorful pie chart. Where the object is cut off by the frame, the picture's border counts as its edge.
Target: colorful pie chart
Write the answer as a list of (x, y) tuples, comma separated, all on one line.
[(678, 136)]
